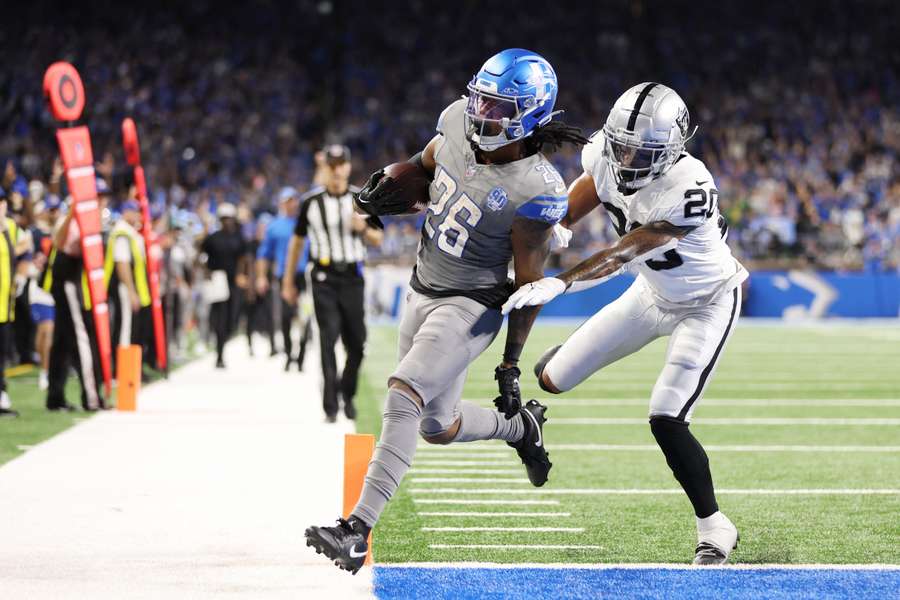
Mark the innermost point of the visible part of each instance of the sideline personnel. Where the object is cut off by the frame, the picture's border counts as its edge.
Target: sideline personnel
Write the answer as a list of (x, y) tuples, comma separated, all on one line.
[(337, 237)]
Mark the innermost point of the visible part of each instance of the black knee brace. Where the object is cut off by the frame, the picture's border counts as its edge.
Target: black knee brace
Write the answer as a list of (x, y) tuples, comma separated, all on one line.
[(688, 461), (541, 363)]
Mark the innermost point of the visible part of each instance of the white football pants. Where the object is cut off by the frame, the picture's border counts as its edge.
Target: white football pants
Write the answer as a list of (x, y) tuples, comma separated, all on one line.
[(698, 337)]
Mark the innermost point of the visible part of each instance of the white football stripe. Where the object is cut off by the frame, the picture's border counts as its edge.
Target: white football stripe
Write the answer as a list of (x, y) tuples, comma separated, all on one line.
[(522, 529), (866, 402), (468, 480), (515, 547), (660, 491), (461, 463), (469, 502), (494, 514)]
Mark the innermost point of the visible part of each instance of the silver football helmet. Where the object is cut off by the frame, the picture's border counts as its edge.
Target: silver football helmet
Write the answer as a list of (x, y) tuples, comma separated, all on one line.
[(645, 134)]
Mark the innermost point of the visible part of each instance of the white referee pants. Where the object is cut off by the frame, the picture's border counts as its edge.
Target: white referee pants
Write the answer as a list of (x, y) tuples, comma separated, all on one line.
[(697, 339)]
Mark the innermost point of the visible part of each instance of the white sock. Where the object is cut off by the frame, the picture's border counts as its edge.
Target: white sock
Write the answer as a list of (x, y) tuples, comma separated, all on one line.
[(4, 401), (717, 529)]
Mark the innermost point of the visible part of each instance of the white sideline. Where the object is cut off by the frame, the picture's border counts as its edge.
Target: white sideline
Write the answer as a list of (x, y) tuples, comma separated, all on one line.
[(203, 493), (635, 566), (815, 421), (494, 514), (655, 492), (520, 529)]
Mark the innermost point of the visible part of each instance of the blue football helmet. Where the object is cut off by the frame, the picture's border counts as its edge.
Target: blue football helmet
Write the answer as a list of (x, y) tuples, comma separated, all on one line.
[(511, 95)]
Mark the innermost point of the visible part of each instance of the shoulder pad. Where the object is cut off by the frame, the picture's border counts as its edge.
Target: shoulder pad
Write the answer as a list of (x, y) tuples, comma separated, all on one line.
[(449, 114)]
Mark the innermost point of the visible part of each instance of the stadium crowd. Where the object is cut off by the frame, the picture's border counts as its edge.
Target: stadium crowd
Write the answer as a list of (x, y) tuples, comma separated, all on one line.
[(799, 118)]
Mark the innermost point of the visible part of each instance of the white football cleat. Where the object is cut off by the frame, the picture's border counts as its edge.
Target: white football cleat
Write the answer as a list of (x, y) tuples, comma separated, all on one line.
[(716, 538)]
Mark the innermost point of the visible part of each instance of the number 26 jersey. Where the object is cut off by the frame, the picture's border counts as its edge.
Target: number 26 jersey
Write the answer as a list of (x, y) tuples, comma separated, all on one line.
[(701, 267)]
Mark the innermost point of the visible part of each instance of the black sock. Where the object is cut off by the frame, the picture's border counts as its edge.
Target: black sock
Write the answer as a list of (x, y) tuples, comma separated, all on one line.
[(688, 462)]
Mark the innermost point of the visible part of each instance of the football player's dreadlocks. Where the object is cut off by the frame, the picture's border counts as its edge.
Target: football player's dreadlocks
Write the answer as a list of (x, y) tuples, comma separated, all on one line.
[(550, 138)]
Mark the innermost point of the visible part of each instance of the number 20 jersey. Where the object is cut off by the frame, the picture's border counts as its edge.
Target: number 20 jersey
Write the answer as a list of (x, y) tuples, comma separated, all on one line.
[(701, 267), (465, 248)]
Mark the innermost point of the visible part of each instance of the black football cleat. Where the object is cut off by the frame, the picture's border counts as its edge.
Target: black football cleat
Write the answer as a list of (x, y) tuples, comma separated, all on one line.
[(343, 544), (531, 447)]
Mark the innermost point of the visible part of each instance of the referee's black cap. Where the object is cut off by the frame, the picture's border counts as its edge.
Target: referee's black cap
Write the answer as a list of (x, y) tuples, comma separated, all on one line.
[(336, 154)]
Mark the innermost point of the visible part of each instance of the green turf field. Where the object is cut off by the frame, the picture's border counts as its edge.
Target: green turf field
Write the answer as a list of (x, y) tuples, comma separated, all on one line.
[(790, 408)]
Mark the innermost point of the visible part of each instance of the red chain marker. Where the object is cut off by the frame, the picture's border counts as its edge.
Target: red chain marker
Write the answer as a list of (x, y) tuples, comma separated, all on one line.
[(133, 156), (65, 95)]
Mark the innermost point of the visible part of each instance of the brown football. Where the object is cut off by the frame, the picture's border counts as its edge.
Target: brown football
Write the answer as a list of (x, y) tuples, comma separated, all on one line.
[(414, 182)]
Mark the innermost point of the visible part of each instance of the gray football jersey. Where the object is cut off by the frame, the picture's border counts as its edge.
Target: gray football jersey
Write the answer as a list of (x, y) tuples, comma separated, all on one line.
[(465, 244)]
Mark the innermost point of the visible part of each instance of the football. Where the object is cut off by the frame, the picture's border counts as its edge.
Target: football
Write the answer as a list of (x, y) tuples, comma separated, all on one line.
[(413, 181)]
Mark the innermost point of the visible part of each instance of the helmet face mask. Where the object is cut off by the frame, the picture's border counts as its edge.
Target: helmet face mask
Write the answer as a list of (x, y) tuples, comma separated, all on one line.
[(493, 121)]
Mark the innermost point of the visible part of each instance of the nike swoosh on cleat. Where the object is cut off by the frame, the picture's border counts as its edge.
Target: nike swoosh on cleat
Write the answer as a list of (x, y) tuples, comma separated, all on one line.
[(355, 554), (701, 182), (540, 441)]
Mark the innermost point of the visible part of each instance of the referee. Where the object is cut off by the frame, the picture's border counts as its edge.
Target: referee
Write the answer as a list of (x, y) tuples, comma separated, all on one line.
[(337, 237)]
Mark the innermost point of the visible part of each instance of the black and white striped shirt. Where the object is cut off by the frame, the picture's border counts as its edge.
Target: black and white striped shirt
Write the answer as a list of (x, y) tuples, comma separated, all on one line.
[(327, 221)]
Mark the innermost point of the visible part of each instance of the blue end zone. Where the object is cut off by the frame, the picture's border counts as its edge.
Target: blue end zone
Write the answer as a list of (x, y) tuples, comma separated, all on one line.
[(532, 582)]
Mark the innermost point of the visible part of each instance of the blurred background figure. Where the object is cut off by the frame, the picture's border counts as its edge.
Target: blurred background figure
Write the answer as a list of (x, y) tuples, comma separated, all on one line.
[(258, 305), (270, 264), (74, 337), (8, 261), (337, 250), (125, 274), (226, 256)]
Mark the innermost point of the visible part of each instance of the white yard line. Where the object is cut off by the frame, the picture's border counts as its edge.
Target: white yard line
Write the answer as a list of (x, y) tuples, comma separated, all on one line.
[(450, 452), (725, 448), (722, 384), (467, 480), (660, 491), (741, 402), (459, 463), (465, 502), (488, 515), (519, 529), (514, 547), (802, 421), (418, 471)]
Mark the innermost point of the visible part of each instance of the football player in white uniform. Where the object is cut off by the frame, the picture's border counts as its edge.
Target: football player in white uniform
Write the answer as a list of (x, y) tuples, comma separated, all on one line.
[(663, 204)]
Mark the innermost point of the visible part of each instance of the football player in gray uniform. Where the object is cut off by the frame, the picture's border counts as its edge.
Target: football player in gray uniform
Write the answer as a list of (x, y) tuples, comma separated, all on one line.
[(664, 205), (493, 197)]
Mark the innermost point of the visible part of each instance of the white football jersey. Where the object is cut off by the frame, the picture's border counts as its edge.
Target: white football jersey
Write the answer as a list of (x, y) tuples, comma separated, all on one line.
[(701, 267)]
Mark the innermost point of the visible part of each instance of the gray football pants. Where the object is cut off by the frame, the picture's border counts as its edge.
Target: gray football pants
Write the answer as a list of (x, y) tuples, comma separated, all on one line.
[(439, 338)]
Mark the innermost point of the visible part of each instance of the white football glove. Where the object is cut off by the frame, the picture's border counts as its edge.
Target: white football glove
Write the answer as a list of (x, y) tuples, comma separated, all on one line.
[(541, 291), (561, 237)]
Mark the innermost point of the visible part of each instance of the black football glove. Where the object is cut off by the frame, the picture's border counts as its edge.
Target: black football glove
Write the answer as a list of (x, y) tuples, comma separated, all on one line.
[(509, 402), (381, 196)]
